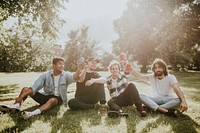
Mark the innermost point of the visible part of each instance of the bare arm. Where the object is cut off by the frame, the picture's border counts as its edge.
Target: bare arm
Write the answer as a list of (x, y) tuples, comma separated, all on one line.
[(99, 81), (140, 75), (77, 73), (83, 73), (179, 93)]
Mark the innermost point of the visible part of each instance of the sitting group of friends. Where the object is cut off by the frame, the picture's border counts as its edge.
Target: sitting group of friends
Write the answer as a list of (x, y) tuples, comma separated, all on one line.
[(50, 89)]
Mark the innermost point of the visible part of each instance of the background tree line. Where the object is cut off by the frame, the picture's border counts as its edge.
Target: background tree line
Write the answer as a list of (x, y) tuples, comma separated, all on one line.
[(147, 29), (27, 45), (166, 29)]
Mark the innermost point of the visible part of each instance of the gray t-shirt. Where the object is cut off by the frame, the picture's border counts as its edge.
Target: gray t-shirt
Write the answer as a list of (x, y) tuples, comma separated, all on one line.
[(162, 87)]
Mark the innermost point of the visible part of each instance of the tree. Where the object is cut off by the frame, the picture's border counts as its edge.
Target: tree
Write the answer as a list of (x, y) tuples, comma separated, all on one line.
[(179, 48), (137, 29), (45, 12), (27, 45), (23, 49), (164, 29), (79, 45), (107, 58)]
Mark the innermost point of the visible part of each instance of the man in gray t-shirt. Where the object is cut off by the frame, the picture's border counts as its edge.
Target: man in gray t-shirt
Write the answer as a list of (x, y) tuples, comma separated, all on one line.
[(167, 96)]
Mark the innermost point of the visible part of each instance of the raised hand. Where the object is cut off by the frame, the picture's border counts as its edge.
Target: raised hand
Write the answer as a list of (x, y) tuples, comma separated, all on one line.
[(128, 68)]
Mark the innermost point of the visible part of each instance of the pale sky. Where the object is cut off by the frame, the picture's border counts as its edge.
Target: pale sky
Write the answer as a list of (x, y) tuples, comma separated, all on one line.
[(82, 9), (97, 14)]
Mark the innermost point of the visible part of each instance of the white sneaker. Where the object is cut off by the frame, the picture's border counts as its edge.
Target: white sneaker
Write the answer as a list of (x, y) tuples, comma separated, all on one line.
[(13, 108), (26, 115)]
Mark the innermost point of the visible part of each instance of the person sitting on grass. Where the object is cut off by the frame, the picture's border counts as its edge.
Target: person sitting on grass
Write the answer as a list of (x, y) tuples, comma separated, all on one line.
[(54, 84), (87, 97), (164, 85), (122, 93)]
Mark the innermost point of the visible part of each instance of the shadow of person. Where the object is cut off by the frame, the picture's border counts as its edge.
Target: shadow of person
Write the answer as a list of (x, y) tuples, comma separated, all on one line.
[(72, 121), (162, 123), (20, 124), (185, 124)]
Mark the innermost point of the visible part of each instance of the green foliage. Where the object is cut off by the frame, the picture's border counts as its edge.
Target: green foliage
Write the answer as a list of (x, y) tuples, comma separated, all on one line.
[(45, 12), (28, 44), (62, 119), (164, 29), (79, 45), (23, 49), (107, 58)]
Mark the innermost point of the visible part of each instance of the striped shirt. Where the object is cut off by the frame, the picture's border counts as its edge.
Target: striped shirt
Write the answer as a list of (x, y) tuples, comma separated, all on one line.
[(116, 87)]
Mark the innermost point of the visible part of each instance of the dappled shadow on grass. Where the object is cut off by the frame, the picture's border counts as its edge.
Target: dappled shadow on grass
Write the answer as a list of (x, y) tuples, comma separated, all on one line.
[(70, 122), (20, 124), (161, 123), (6, 89)]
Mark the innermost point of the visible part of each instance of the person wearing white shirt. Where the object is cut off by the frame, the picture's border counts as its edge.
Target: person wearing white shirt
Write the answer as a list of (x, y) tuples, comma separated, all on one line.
[(167, 95)]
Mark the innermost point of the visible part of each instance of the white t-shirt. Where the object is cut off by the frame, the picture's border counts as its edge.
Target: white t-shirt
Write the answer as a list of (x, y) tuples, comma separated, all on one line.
[(56, 80), (162, 87)]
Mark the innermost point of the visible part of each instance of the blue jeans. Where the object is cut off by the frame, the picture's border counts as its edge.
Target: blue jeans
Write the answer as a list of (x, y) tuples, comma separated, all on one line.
[(154, 103)]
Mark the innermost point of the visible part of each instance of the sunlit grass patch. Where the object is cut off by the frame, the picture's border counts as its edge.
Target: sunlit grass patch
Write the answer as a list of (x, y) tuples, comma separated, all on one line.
[(61, 119)]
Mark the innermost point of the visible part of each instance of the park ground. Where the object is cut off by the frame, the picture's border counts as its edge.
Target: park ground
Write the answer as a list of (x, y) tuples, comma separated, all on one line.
[(62, 120)]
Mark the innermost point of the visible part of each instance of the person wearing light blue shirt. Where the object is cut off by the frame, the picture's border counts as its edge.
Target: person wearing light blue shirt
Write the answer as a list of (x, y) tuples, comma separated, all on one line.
[(49, 89)]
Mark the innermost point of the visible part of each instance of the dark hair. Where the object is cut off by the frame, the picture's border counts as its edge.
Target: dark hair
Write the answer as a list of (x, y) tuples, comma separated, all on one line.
[(160, 63), (55, 60)]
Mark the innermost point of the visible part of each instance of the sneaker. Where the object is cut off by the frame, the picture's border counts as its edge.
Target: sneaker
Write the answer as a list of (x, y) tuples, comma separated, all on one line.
[(12, 108), (25, 115), (143, 113), (173, 112), (103, 109), (115, 114)]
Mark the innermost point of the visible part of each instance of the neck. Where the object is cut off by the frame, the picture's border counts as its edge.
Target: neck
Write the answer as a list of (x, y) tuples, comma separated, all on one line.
[(114, 76), (56, 73), (160, 77)]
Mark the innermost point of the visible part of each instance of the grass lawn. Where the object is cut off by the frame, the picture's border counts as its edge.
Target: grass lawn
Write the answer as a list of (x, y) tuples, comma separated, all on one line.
[(63, 120)]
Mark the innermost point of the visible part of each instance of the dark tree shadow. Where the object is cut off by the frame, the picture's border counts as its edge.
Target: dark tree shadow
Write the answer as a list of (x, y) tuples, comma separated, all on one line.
[(21, 124), (6, 89), (182, 124), (70, 122)]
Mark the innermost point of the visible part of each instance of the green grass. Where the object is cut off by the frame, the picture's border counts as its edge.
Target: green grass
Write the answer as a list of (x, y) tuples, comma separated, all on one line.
[(64, 120)]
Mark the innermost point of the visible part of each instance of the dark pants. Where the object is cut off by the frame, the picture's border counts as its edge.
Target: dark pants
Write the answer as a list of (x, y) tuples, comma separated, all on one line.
[(95, 95), (42, 99), (129, 97)]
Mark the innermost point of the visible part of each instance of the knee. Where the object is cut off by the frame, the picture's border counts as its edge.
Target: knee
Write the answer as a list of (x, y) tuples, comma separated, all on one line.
[(131, 85), (53, 101), (178, 101), (26, 89), (71, 103), (132, 88), (110, 102)]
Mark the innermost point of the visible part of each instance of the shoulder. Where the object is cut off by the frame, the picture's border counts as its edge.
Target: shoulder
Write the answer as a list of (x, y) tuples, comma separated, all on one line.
[(66, 73), (171, 76), (47, 73)]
